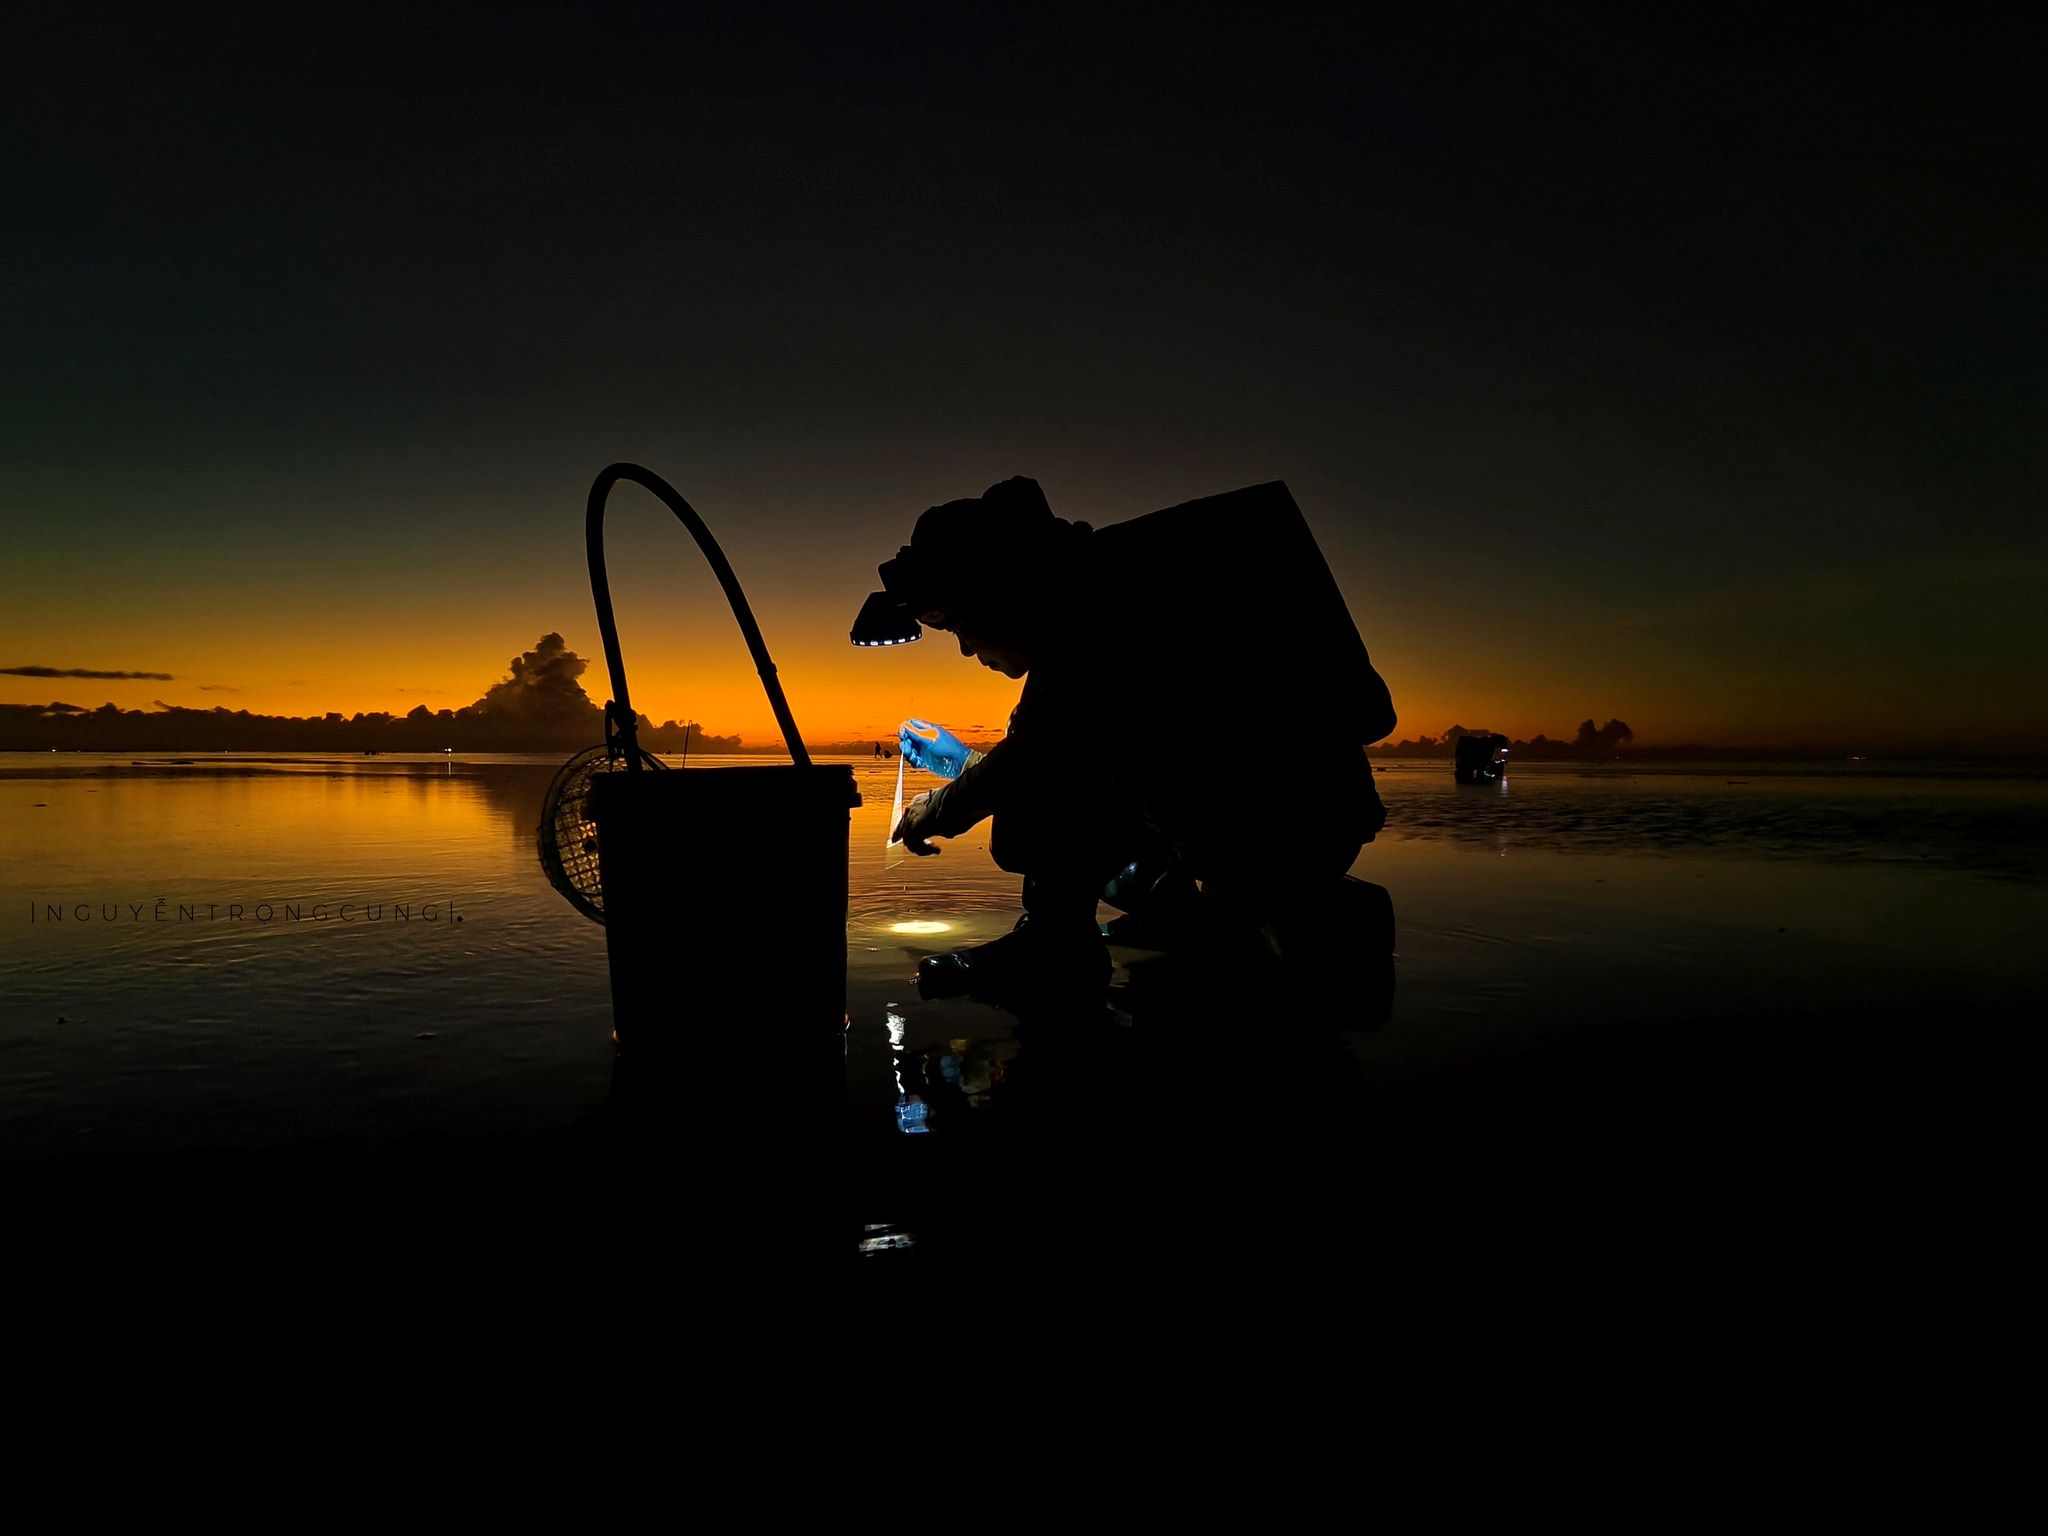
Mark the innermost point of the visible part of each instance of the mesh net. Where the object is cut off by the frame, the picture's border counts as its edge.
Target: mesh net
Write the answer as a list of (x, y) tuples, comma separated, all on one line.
[(568, 837)]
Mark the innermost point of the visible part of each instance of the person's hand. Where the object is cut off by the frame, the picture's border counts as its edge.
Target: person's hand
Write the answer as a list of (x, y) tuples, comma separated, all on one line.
[(915, 826), (932, 748)]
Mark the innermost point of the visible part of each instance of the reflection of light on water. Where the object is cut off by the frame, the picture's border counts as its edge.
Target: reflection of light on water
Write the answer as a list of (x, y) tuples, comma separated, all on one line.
[(895, 1022), (911, 1109), (880, 1237), (920, 926)]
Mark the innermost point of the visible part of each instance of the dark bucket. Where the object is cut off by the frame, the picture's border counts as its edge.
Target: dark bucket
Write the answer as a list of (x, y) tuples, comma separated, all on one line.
[(725, 929), (725, 903)]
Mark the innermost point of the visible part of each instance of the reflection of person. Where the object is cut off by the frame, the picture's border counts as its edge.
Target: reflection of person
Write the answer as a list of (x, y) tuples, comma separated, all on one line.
[(1106, 624)]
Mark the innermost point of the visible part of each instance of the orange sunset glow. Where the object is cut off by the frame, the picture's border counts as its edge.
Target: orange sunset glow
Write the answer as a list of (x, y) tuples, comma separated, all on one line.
[(1567, 460), (335, 627)]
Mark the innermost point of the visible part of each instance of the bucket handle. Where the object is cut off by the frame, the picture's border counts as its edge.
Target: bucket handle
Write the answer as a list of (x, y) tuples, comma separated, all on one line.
[(621, 725)]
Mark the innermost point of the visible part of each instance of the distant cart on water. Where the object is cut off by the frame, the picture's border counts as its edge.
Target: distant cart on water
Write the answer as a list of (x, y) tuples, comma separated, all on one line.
[(1480, 759)]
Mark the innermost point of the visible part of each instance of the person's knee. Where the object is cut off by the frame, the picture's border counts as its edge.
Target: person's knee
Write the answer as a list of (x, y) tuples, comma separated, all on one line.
[(1009, 858), (1015, 843)]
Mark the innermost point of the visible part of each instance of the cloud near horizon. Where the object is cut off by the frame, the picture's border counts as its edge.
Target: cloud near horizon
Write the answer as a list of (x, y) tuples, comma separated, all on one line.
[(1602, 738), (542, 688), (158, 677), (539, 704)]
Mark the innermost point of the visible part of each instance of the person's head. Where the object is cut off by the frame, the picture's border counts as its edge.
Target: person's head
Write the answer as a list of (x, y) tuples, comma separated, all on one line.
[(989, 571), (1007, 650)]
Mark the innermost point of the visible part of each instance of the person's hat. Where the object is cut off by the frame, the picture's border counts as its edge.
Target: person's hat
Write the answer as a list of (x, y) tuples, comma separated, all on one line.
[(978, 548)]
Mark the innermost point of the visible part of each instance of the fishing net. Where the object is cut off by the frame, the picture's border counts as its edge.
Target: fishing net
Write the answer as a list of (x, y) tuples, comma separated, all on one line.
[(568, 837)]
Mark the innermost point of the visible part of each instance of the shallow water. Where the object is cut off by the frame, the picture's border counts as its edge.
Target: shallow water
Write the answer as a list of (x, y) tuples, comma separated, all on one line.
[(250, 1010)]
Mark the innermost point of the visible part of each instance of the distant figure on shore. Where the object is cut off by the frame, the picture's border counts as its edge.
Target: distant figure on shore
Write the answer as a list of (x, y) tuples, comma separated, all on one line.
[(1149, 647)]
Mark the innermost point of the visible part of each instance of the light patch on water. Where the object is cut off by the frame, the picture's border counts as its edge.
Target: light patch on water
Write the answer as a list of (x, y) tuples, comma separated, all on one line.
[(920, 927)]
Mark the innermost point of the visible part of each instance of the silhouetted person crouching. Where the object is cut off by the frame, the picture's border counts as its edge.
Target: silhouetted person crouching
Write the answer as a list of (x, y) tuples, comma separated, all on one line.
[(1149, 649)]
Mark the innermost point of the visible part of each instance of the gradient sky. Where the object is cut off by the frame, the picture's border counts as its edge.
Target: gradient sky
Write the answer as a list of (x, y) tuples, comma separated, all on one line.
[(1687, 370)]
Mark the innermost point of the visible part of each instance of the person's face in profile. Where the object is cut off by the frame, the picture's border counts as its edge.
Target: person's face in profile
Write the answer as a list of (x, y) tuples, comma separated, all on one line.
[(979, 640)]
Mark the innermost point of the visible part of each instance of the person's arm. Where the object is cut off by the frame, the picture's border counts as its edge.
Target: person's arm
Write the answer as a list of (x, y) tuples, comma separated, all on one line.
[(956, 807), (987, 781)]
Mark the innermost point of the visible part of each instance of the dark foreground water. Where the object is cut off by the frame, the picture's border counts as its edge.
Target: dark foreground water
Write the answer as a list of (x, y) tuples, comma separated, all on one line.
[(239, 957)]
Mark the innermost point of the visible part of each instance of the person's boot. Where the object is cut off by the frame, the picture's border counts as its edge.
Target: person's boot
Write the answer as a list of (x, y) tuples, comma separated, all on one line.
[(1038, 960), (1336, 952), (1346, 920)]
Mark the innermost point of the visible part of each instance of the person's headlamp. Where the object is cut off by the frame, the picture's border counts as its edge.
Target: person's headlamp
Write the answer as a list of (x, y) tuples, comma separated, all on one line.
[(887, 618), (984, 552)]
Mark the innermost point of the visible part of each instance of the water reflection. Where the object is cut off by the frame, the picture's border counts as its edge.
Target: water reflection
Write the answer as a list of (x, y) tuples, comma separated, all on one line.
[(1178, 1026), (1209, 1087), (135, 1037)]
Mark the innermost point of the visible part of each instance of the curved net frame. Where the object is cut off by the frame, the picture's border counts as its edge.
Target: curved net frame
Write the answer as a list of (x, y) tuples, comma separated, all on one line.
[(568, 837)]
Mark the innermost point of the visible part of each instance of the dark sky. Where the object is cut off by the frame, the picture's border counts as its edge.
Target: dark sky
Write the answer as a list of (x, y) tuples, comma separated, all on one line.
[(1687, 367)]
